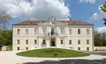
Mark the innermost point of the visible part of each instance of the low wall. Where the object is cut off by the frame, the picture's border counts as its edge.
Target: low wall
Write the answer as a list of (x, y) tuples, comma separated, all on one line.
[(100, 48)]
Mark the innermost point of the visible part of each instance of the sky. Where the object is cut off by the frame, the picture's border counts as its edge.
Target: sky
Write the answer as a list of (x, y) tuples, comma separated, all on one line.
[(84, 10)]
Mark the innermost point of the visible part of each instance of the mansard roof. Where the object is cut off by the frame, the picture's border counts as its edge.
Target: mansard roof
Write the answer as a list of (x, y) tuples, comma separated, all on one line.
[(70, 22)]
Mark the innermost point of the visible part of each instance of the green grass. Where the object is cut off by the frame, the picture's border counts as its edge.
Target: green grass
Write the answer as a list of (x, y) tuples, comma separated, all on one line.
[(52, 52)]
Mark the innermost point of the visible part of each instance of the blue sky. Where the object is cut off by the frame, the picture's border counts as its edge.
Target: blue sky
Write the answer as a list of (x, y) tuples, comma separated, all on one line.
[(83, 11), (78, 11)]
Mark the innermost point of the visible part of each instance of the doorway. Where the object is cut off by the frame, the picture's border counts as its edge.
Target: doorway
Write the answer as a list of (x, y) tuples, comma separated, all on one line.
[(52, 43)]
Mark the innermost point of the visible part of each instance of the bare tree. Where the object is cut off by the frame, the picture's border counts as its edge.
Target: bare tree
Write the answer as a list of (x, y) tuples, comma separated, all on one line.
[(4, 18)]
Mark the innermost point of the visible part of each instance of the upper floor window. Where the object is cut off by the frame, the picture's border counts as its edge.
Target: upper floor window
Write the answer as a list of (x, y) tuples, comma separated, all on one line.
[(18, 41), (87, 41), (70, 31), (27, 31), (52, 31), (87, 31), (44, 31), (79, 31), (62, 30), (35, 41), (18, 31), (35, 31), (79, 42), (61, 41), (26, 41)]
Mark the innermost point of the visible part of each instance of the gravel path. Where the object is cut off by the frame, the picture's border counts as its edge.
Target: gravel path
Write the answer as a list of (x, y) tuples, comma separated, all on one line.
[(10, 57)]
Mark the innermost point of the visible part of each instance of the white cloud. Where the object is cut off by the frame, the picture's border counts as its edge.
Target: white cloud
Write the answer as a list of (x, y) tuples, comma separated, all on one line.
[(98, 16), (90, 1), (101, 29), (36, 9)]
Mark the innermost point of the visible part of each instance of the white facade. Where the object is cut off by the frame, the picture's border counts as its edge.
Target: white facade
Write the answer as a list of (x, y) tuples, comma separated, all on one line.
[(53, 34)]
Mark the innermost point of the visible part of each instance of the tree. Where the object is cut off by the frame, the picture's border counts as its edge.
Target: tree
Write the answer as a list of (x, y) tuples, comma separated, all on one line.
[(103, 37), (6, 37), (97, 39), (4, 18), (103, 8)]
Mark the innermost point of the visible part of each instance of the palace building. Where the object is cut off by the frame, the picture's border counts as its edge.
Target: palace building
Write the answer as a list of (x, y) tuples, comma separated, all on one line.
[(52, 33)]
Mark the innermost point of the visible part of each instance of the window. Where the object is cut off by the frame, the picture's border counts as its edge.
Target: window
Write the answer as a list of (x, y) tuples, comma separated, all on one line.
[(79, 48), (62, 30), (79, 31), (70, 31), (52, 31), (87, 31), (35, 31), (87, 48), (27, 31), (18, 48), (26, 48), (61, 41), (44, 31), (26, 41), (87, 41), (18, 31), (79, 42), (18, 41), (44, 42), (70, 42), (35, 41)]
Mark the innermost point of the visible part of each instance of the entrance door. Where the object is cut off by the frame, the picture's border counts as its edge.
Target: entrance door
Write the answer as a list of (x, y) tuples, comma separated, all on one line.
[(53, 42)]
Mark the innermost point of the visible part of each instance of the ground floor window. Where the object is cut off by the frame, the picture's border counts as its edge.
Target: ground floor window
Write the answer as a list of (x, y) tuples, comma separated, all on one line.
[(18, 48), (79, 48), (26, 48), (87, 48), (44, 42), (61, 41), (70, 42), (35, 41)]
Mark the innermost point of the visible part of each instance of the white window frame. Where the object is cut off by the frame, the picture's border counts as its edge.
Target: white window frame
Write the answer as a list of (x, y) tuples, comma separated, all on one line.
[(70, 31), (87, 41), (88, 32), (79, 42), (18, 31), (27, 42), (26, 31), (70, 41), (18, 41), (35, 41), (62, 30), (44, 30), (79, 31)]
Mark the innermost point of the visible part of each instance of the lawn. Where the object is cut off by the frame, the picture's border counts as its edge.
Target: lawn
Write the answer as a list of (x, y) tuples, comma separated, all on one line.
[(52, 52)]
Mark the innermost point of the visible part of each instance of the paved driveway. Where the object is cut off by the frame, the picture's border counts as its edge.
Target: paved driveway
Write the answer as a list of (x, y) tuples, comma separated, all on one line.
[(10, 57), (99, 53)]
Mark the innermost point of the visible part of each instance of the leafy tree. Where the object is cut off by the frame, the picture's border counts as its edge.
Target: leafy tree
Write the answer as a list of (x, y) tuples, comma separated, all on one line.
[(6, 37), (97, 39), (103, 8)]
